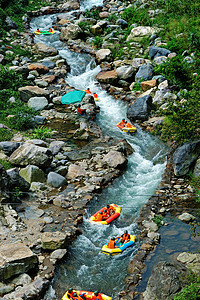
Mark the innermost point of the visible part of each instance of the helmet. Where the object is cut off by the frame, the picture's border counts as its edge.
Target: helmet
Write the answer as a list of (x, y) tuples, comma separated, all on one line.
[(125, 231), (74, 294), (123, 120), (96, 293), (113, 238), (70, 290), (105, 210), (108, 206), (101, 212)]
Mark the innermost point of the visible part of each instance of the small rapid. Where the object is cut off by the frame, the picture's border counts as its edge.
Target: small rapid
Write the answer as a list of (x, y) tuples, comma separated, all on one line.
[(86, 267)]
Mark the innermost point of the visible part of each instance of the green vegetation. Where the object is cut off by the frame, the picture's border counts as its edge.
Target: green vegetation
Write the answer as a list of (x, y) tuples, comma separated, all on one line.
[(5, 135), (158, 220), (92, 14), (195, 183), (6, 164), (41, 133), (98, 40), (191, 291)]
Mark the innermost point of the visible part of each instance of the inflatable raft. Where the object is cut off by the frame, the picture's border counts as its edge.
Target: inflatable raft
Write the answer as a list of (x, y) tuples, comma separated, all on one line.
[(119, 249), (44, 32), (116, 214), (126, 129), (88, 295)]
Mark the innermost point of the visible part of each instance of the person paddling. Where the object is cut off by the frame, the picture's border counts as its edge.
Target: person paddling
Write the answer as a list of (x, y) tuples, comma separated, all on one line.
[(88, 91)]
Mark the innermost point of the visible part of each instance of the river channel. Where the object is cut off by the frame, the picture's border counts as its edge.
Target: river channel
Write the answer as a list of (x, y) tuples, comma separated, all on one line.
[(86, 267)]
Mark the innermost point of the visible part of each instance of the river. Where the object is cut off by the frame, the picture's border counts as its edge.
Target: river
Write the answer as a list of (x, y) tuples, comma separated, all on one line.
[(85, 266)]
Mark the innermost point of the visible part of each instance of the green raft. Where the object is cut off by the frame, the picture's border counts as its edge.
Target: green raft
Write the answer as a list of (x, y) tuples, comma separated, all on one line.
[(45, 32), (72, 97)]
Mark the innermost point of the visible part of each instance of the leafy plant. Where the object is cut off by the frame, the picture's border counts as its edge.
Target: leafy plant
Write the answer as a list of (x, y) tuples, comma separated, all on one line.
[(5, 135), (190, 292), (6, 164), (158, 220), (41, 133), (98, 41), (16, 194), (92, 14)]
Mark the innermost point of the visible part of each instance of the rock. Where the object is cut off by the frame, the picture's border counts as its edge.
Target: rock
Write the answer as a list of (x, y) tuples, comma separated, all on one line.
[(126, 72), (139, 32), (22, 279), (107, 77), (9, 147), (115, 159), (16, 258), (122, 23), (160, 59), (137, 62), (185, 217), (144, 73), (151, 226), (58, 254), (6, 288), (49, 63), (140, 109), (56, 146), (38, 103), (196, 172), (4, 183), (71, 32), (147, 85), (157, 51), (185, 156), (37, 142), (81, 134), (96, 29), (29, 154), (103, 15), (192, 261), (56, 180), (46, 50), (62, 170), (54, 240), (75, 171), (40, 68), (16, 181), (164, 282), (32, 174), (103, 54), (31, 91)]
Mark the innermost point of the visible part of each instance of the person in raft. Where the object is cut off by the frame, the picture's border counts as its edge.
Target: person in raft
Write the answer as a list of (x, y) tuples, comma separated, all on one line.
[(98, 296), (110, 210), (99, 216), (81, 111), (122, 123), (95, 95), (70, 293), (38, 30), (112, 243), (50, 30), (128, 125), (88, 91), (77, 297), (124, 238), (105, 214)]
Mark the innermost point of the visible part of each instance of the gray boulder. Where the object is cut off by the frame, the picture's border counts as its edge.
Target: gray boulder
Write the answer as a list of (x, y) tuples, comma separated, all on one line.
[(56, 146), (71, 32), (126, 72), (164, 282), (4, 183), (140, 109), (28, 92), (56, 180), (10, 23), (29, 154), (197, 168), (9, 147), (115, 159), (38, 103), (144, 73), (157, 51), (122, 23), (16, 181), (49, 64), (54, 240), (185, 157), (32, 174)]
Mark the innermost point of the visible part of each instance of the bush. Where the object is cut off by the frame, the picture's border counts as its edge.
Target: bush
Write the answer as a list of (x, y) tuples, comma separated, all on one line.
[(6, 164), (5, 135), (92, 14), (41, 133), (158, 220), (190, 292), (98, 41), (9, 79)]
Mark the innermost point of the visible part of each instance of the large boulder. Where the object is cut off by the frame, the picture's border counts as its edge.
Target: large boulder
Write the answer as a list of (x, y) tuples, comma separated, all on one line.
[(56, 180), (16, 258), (38, 103), (115, 159), (71, 32), (144, 73), (140, 109), (191, 260), (185, 157), (29, 154), (9, 147), (32, 174), (157, 51), (164, 282), (75, 171), (126, 72), (107, 77), (46, 50), (103, 54), (197, 168), (16, 181), (40, 68), (54, 240), (4, 183), (31, 91), (139, 32), (56, 146)]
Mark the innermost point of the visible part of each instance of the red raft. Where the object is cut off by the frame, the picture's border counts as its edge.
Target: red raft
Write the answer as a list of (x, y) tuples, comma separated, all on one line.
[(116, 214)]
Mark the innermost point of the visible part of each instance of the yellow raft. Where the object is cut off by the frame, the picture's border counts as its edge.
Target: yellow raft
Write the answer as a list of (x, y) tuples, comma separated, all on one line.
[(119, 249), (88, 295), (44, 32)]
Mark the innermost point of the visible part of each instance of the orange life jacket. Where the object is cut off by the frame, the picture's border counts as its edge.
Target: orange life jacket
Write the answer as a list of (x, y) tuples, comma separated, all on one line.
[(105, 215), (87, 91), (99, 297), (37, 30), (111, 244), (99, 217), (80, 111), (50, 30), (95, 95), (126, 237), (128, 125), (122, 123), (70, 295)]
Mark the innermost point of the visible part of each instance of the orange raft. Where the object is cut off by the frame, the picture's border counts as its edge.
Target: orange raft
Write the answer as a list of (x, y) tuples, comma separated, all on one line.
[(88, 295), (116, 214), (126, 128)]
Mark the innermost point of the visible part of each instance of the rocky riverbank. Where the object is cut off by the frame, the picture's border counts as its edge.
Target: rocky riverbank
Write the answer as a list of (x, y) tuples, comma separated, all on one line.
[(60, 179)]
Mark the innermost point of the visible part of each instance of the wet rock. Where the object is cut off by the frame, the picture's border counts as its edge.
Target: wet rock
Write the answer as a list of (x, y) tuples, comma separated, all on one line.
[(56, 146), (31, 91), (115, 159), (103, 54), (6, 288), (157, 51), (29, 154), (16, 258), (56, 180), (22, 279), (197, 168), (46, 50), (185, 156), (58, 254), (32, 174), (191, 260), (37, 103), (164, 282), (126, 72), (140, 109), (16, 181), (54, 240), (151, 226), (185, 217)]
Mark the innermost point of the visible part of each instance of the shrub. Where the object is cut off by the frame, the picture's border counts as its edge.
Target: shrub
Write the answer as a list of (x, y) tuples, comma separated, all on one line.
[(6, 164), (9, 79), (190, 292), (41, 133), (98, 41), (5, 135), (92, 14), (158, 220)]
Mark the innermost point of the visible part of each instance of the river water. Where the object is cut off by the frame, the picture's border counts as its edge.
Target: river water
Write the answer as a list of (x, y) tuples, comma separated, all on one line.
[(86, 267)]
